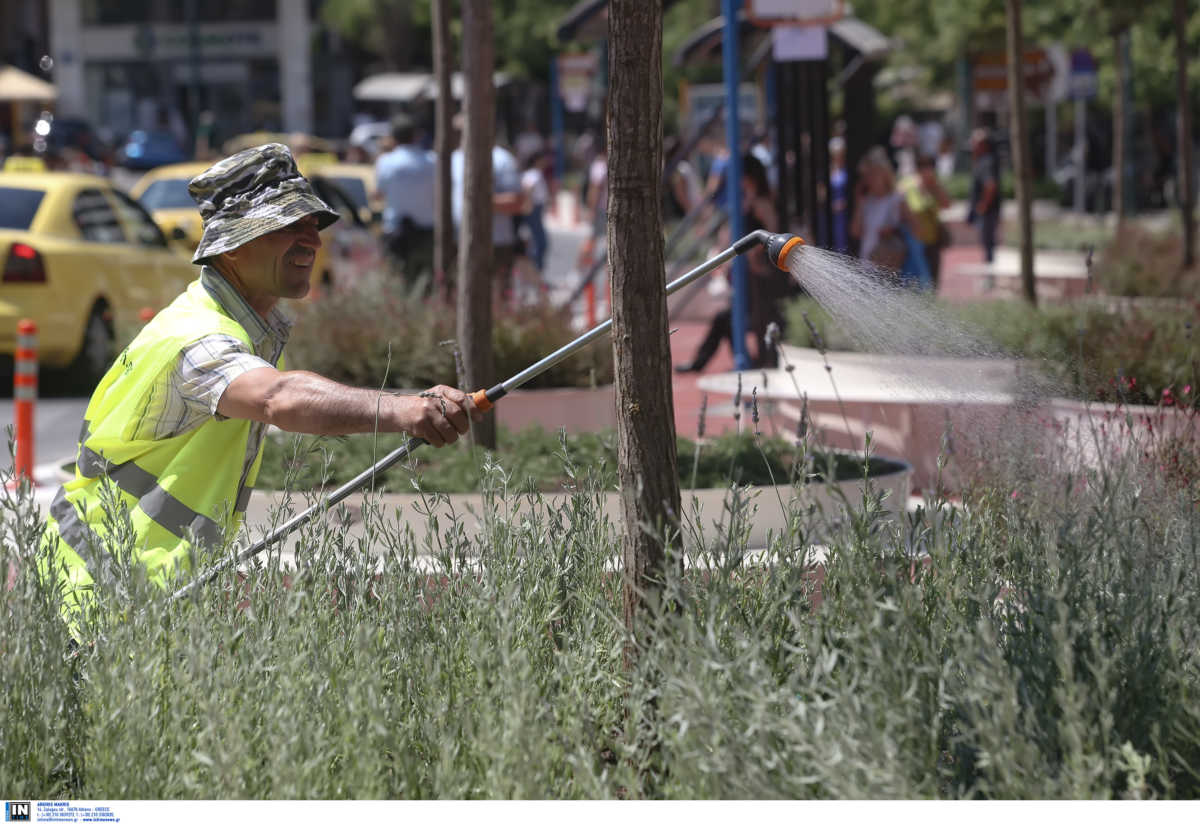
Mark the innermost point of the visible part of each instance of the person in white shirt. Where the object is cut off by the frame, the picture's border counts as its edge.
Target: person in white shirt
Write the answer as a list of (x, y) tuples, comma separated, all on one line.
[(405, 177), (508, 203)]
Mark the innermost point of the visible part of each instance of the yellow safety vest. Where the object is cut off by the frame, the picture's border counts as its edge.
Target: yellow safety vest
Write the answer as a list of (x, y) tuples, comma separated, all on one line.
[(174, 489)]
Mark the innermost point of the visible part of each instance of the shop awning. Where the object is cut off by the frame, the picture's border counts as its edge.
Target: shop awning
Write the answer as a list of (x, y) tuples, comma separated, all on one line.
[(394, 86), (407, 87), (19, 86)]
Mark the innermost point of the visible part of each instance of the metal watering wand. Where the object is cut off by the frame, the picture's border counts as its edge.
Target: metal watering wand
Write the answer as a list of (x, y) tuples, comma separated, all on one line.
[(778, 247)]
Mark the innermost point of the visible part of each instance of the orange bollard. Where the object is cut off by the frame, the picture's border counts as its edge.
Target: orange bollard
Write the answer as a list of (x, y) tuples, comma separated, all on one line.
[(25, 380)]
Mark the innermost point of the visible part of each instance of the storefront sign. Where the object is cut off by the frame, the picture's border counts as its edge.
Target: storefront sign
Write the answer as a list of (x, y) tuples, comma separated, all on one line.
[(175, 41), (990, 73)]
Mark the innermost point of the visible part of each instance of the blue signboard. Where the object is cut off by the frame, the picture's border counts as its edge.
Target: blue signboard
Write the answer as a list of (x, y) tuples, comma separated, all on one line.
[(1083, 75)]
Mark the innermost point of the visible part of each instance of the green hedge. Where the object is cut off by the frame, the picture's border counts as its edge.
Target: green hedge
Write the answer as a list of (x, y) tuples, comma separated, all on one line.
[(535, 461)]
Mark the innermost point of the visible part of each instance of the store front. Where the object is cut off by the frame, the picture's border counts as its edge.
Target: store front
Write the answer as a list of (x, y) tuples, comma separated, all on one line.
[(145, 65)]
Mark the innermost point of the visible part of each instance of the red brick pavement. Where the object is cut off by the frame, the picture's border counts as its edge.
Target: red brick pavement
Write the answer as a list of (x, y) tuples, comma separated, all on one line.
[(685, 386)]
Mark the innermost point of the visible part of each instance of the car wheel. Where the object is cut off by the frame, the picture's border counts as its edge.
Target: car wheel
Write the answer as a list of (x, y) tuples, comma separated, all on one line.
[(96, 354)]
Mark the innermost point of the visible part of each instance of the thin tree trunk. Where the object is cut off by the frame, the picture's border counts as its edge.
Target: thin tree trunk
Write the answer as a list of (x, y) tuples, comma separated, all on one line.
[(641, 348), (474, 329), (1119, 115), (1187, 196), (443, 225), (1019, 141)]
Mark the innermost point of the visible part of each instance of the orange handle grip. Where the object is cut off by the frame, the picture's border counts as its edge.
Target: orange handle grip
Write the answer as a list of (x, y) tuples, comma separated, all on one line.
[(481, 400)]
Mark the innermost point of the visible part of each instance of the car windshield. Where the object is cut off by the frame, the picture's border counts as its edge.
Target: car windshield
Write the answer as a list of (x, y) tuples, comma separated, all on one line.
[(354, 188), (18, 206), (171, 193)]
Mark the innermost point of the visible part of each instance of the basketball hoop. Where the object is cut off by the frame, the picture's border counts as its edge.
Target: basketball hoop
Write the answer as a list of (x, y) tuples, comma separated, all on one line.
[(794, 12)]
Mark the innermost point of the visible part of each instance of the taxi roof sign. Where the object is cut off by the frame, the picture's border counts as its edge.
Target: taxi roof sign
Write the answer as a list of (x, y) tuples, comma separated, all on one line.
[(22, 163)]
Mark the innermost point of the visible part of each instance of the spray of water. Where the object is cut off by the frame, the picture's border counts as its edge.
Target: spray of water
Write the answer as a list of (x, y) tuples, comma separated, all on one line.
[(935, 357), (869, 303)]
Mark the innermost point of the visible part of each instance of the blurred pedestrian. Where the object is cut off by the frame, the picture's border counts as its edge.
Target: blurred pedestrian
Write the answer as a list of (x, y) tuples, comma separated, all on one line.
[(883, 223), (684, 190), (926, 197), (713, 146), (839, 184), (529, 142), (984, 210), (879, 211), (596, 203), (508, 202), (536, 189), (768, 285), (904, 144), (405, 178)]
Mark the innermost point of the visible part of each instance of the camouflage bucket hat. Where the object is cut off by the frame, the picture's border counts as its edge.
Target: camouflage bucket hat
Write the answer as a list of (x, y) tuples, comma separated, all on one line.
[(249, 194)]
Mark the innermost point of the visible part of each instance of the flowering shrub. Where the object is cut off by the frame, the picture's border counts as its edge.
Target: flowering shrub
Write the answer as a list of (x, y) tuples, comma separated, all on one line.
[(1087, 350)]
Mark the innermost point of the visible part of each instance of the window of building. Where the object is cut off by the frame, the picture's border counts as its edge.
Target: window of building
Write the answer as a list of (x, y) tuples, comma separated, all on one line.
[(114, 12)]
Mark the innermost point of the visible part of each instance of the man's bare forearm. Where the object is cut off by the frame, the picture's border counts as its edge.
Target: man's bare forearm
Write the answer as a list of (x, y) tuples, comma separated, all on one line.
[(299, 401)]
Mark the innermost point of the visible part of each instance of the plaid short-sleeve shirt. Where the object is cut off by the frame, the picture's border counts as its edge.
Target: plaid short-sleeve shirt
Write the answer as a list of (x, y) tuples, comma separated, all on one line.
[(188, 395)]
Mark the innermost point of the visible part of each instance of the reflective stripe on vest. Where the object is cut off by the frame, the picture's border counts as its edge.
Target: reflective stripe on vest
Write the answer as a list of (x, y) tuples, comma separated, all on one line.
[(164, 508), (80, 537)]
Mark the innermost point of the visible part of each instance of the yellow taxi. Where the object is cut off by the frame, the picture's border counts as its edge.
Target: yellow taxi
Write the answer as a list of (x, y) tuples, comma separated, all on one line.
[(163, 192), (82, 259), (348, 249), (357, 180)]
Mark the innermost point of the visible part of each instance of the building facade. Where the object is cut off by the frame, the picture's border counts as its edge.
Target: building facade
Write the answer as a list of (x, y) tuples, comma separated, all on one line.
[(141, 64)]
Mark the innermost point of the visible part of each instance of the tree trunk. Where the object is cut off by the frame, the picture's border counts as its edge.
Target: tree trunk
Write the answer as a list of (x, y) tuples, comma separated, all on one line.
[(474, 329), (1187, 196), (641, 348), (1019, 141), (1119, 115), (443, 224)]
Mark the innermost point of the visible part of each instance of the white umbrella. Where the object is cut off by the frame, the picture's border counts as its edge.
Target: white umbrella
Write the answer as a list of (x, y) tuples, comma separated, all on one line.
[(17, 86)]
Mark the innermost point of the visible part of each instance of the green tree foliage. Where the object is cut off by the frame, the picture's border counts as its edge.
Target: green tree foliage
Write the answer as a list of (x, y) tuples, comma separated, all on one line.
[(525, 31), (933, 34)]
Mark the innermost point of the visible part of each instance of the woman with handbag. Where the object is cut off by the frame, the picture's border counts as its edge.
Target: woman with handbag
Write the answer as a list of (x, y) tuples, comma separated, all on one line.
[(879, 213)]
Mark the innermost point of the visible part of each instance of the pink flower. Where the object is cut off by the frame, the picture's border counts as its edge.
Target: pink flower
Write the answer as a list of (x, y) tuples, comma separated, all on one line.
[(1187, 389)]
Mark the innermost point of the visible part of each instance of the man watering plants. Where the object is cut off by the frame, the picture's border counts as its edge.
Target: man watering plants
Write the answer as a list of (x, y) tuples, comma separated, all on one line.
[(177, 423)]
